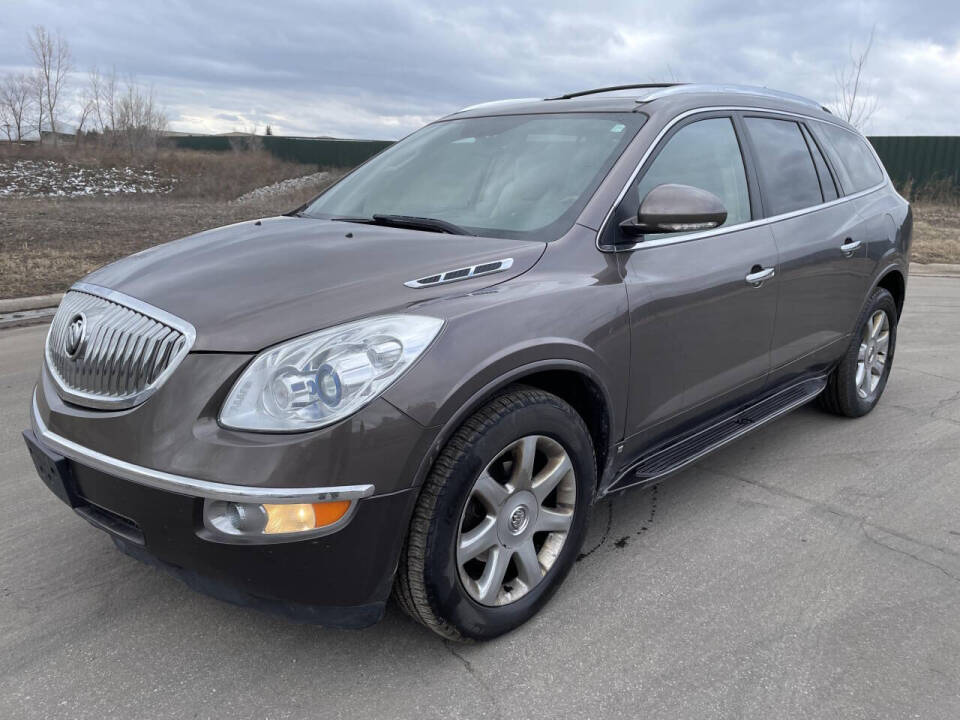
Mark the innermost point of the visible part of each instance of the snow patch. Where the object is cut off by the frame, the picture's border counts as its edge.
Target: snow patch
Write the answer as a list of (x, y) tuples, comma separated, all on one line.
[(49, 178)]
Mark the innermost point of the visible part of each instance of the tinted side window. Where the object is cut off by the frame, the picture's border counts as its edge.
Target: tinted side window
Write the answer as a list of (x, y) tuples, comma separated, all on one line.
[(827, 185), (706, 155), (787, 175), (854, 161)]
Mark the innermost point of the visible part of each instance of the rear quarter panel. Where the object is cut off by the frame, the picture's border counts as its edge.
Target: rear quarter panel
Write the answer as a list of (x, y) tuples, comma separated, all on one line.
[(890, 223)]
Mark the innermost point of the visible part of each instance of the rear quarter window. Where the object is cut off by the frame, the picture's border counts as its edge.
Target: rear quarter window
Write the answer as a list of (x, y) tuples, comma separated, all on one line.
[(788, 178), (852, 159)]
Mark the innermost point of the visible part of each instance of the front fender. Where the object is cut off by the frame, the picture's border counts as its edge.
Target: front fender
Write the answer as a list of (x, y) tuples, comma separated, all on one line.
[(570, 311)]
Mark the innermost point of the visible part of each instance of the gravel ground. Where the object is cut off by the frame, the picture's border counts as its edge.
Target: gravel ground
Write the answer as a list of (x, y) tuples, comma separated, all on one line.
[(284, 187)]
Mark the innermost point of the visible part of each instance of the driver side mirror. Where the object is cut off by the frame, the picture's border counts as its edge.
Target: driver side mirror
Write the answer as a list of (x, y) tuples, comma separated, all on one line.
[(676, 208)]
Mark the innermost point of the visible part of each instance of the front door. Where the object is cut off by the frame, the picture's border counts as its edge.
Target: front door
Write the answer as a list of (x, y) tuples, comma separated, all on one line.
[(700, 330)]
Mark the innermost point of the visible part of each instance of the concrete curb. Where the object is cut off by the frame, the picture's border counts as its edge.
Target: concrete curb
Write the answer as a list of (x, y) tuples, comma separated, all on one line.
[(935, 270), (14, 305), (26, 317)]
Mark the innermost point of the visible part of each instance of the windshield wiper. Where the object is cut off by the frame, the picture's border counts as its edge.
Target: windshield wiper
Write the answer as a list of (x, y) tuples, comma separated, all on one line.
[(420, 223), (407, 221), (361, 220)]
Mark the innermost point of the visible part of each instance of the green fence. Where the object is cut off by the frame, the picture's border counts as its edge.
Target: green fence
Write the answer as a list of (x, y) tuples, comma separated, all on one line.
[(325, 152), (922, 159)]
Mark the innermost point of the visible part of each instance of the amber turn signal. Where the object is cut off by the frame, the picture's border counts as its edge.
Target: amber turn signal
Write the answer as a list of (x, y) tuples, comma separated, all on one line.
[(299, 517)]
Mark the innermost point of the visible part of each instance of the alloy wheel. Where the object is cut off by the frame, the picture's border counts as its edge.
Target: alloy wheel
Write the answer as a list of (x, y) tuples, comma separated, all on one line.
[(516, 520), (872, 356)]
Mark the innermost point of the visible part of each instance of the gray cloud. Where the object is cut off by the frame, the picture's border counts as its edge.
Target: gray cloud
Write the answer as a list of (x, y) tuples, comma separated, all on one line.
[(367, 69)]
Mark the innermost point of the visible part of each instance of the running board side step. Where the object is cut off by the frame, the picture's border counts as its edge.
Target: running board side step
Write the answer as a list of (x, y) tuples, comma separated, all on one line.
[(678, 454)]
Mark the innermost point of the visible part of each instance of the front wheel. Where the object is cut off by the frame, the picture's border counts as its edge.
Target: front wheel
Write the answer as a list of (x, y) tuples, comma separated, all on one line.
[(858, 381), (500, 519)]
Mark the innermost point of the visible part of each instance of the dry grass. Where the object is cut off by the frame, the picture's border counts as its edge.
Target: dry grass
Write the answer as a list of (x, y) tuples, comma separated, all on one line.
[(936, 233), (47, 244), (936, 191)]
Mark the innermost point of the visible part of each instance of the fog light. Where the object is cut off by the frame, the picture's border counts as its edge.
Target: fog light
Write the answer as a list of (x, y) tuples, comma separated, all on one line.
[(249, 520)]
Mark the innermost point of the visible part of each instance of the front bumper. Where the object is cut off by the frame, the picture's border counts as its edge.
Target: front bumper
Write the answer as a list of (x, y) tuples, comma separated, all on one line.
[(340, 580)]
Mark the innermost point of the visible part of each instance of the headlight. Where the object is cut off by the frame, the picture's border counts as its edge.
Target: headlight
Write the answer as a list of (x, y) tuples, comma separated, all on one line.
[(321, 378)]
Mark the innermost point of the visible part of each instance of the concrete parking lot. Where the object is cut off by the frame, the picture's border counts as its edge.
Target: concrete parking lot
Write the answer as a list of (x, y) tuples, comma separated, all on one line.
[(810, 570)]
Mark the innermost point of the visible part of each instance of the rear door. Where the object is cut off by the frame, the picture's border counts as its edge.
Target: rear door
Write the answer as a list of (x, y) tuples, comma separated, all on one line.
[(700, 332), (821, 244)]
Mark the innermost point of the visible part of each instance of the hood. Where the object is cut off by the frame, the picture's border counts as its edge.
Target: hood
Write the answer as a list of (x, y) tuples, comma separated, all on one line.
[(247, 286)]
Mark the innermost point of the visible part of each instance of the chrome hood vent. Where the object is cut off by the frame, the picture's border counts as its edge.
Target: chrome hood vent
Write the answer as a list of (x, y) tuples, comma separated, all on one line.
[(110, 351), (448, 276)]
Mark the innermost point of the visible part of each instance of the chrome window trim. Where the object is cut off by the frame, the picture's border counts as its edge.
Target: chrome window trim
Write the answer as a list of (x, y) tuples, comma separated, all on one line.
[(100, 402), (182, 485), (730, 228)]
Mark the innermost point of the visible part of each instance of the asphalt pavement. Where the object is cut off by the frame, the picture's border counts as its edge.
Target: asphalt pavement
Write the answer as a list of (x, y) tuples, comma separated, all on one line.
[(812, 569)]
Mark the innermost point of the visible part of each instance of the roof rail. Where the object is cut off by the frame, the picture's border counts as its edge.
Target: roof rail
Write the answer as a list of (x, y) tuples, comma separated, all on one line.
[(640, 86), (660, 90), (733, 89)]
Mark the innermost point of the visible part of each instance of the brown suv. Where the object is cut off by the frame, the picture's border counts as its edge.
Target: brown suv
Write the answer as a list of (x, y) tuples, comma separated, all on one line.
[(419, 382)]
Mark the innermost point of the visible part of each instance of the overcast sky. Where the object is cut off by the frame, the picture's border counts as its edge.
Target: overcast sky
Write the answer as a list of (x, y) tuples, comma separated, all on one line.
[(382, 69)]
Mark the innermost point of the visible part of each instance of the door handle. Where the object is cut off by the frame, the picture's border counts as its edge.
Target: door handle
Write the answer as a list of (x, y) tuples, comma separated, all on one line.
[(758, 275), (849, 246)]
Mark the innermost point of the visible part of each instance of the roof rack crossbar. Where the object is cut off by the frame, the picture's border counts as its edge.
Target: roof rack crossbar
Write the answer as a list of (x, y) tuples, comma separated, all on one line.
[(641, 86)]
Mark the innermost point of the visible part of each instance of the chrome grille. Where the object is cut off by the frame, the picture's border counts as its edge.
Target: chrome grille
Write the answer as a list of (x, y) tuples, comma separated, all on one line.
[(108, 350)]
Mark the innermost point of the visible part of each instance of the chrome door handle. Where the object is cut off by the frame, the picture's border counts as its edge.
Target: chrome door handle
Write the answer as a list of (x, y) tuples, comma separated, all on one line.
[(849, 246), (756, 278)]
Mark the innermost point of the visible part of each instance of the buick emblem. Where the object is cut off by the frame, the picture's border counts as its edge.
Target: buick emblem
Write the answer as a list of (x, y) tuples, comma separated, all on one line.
[(76, 332), (518, 520)]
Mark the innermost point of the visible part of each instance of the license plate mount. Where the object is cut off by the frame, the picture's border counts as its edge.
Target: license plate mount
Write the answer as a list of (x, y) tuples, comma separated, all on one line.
[(54, 470)]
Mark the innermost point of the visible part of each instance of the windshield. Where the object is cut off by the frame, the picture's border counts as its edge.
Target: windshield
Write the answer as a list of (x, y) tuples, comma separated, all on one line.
[(523, 176)]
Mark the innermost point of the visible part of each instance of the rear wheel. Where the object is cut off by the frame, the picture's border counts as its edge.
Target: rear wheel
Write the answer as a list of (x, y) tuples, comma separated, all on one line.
[(500, 519), (858, 381)]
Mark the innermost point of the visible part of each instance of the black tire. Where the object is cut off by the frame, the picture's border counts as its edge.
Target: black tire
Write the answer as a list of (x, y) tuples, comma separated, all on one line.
[(841, 397), (428, 585)]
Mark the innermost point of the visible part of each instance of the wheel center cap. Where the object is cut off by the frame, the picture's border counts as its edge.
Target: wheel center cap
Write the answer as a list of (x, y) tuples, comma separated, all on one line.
[(519, 519)]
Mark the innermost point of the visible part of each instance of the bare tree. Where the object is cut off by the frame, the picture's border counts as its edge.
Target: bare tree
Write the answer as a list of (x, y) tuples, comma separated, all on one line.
[(5, 124), (102, 91), (139, 120), (36, 92), (853, 102), (86, 111), (51, 54), (109, 97), (16, 102), (95, 93)]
